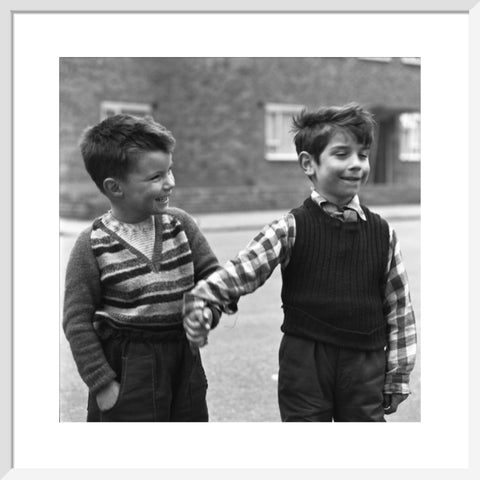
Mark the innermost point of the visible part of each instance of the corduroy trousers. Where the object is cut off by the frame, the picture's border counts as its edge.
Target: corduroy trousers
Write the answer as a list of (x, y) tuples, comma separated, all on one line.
[(161, 380), (318, 382)]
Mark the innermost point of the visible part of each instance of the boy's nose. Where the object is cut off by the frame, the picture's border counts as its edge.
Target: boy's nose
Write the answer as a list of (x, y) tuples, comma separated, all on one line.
[(355, 161), (169, 182)]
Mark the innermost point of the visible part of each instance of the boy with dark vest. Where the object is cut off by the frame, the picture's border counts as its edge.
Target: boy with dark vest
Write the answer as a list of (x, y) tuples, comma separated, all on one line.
[(126, 278), (349, 341)]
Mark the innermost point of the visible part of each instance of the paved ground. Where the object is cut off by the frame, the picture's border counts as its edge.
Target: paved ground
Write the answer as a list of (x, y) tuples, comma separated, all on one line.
[(241, 358)]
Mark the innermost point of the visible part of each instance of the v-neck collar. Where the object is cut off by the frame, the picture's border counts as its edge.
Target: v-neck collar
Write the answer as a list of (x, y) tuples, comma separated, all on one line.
[(158, 244), (154, 262)]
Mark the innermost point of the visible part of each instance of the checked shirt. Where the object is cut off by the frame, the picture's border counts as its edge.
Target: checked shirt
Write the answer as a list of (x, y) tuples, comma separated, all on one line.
[(273, 246)]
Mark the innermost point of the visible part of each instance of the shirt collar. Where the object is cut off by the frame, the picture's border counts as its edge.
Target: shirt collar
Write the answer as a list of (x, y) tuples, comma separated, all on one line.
[(354, 203)]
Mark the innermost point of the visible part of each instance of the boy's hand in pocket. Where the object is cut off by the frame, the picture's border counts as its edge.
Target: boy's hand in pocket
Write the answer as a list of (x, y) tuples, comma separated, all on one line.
[(107, 397)]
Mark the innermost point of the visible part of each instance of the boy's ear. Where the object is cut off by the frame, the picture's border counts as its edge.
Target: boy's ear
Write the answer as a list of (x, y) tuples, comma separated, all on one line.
[(112, 187), (306, 162)]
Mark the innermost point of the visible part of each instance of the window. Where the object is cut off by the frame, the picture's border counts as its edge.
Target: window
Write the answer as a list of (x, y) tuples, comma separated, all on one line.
[(107, 109), (279, 140), (411, 60), (409, 131)]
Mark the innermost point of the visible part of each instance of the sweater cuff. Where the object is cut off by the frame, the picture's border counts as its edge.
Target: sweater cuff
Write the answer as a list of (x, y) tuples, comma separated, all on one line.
[(99, 379)]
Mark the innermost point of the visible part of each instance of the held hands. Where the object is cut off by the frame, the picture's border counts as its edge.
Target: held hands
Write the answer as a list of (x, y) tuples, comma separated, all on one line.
[(107, 397), (197, 325), (391, 401)]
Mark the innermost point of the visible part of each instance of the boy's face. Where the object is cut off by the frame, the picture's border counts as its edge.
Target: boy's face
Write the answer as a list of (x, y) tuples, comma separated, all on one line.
[(342, 169), (147, 187)]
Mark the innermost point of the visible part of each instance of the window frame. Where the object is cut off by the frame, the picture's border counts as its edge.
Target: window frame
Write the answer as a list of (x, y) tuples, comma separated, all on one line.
[(414, 61), (412, 156), (124, 107), (277, 111)]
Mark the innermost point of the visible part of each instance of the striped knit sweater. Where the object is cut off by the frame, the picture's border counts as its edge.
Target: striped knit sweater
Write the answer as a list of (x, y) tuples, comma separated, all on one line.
[(108, 279)]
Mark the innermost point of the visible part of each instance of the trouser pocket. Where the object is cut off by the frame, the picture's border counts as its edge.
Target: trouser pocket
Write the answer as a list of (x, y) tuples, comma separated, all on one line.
[(134, 365), (190, 397), (360, 380), (159, 382), (136, 400)]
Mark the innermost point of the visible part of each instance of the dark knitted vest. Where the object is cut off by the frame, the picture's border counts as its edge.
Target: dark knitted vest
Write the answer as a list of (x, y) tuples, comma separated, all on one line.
[(333, 284)]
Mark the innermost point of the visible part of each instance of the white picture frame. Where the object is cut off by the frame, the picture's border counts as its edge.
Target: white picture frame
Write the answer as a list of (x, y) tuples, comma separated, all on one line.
[(214, 451)]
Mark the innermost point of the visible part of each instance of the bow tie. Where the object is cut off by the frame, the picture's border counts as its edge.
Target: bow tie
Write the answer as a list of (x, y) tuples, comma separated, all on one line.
[(344, 214)]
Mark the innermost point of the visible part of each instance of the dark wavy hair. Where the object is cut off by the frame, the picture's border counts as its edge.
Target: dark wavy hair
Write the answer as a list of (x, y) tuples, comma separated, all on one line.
[(109, 149), (313, 130)]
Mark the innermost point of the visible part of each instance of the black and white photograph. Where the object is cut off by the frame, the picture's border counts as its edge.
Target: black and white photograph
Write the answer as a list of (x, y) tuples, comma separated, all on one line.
[(239, 240), (247, 147)]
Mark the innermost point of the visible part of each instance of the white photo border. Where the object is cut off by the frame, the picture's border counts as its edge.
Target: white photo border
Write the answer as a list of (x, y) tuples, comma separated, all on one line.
[(8, 274)]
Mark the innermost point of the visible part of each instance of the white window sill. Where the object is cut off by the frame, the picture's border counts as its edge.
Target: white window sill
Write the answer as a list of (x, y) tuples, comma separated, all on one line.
[(281, 157)]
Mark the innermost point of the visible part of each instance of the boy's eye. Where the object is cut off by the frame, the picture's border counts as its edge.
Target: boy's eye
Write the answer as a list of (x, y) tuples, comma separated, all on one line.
[(159, 176)]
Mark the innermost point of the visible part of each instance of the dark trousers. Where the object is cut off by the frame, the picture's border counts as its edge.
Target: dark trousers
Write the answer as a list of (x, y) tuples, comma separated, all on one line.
[(160, 381), (318, 382)]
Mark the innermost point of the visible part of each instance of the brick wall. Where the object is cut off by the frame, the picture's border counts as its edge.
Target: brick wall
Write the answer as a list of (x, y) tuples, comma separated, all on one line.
[(214, 107)]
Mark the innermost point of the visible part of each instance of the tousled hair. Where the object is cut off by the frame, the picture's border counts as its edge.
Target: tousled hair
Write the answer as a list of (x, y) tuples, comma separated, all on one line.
[(109, 148), (313, 130)]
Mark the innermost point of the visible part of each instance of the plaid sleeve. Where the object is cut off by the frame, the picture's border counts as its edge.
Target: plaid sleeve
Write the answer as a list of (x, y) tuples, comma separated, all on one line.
[(249, 270), (402, 336)]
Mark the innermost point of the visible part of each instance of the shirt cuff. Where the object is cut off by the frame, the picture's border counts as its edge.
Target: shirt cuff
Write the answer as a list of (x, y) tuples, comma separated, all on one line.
[(211, 296), (216, 314), (397, 383)]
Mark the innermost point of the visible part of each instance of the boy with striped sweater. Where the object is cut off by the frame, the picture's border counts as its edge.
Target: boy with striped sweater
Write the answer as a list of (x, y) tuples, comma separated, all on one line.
[(126, 278), (349, 341)]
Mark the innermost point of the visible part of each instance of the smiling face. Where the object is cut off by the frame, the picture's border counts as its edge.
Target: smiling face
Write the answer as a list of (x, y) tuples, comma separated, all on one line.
[(146, 189), (343, 167)]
